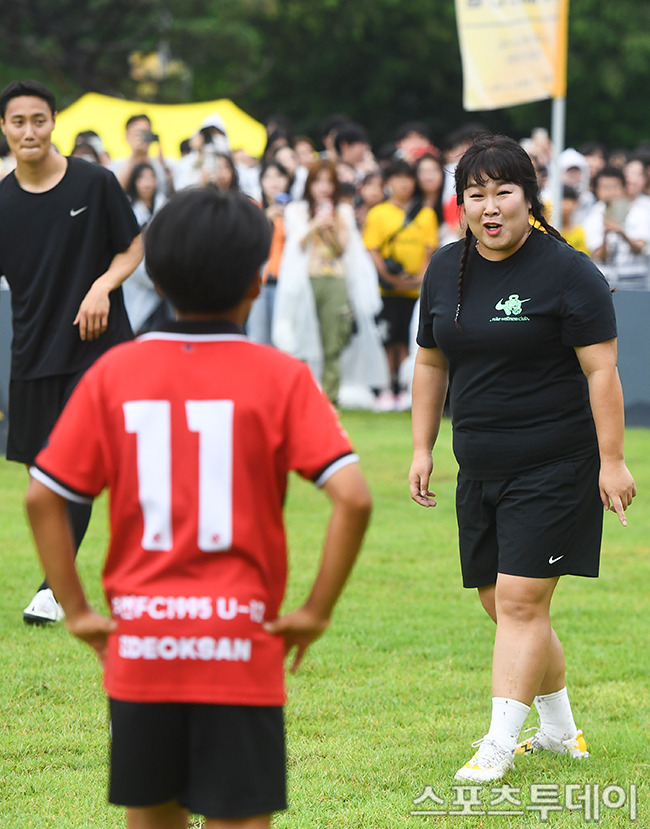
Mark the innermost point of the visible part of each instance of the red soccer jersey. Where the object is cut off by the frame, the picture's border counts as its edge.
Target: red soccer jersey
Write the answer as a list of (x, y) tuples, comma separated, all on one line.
[(194, 435)]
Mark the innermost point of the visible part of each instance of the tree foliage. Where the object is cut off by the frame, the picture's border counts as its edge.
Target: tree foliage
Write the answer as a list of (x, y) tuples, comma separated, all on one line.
[(77, 44), (609, 67), (221, 42), (386, 61), (381, 62), (372, 59)]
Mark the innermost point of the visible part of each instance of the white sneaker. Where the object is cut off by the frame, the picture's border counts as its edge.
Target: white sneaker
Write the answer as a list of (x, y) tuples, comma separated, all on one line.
[(386, 402), (43, 608), (540, 741), (490, 762), (403, 401)]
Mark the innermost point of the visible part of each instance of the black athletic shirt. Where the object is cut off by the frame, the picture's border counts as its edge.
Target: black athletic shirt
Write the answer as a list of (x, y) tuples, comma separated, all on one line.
[(518, 396), (53, 246)]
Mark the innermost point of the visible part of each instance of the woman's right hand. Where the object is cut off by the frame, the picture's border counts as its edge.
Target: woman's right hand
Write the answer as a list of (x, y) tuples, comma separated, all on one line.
[(274, 211), (323, 221)]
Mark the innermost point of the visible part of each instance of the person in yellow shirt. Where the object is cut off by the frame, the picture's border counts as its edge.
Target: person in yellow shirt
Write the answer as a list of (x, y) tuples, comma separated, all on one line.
[(573, 233), (401, 236)]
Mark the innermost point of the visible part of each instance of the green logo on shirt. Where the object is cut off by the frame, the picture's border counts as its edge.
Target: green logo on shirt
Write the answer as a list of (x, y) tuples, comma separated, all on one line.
[(512, 307)]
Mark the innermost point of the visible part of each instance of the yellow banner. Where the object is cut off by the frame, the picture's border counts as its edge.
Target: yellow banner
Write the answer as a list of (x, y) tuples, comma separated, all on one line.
[(513, 51), (173, 122)]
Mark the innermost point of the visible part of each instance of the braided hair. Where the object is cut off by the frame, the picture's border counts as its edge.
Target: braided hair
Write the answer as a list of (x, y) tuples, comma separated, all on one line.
[(499, 158)]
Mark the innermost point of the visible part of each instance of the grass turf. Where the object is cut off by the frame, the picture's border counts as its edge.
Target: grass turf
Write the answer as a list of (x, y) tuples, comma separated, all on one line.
[(385, 706)]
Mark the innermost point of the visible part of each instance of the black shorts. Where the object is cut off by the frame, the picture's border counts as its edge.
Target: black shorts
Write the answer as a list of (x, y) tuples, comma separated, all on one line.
[(396, 314), (34, 406), (544, 523), (219, 761)]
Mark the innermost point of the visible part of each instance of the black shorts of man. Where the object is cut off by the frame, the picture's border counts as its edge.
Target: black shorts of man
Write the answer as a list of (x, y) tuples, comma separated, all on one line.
[(68, 239)]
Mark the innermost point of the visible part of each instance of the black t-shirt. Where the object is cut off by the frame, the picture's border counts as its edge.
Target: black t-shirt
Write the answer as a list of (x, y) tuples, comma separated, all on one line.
[(518, 396), (53, 246)]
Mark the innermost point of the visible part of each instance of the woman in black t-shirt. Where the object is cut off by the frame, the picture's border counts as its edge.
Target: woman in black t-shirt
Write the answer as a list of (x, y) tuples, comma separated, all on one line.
[(521, 327)]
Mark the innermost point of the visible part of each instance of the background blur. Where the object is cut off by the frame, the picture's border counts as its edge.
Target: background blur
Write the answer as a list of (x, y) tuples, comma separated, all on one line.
[(381, 62)]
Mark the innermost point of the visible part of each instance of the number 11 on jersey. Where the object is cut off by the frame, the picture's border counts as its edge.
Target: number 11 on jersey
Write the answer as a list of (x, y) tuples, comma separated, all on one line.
[(150, 421)]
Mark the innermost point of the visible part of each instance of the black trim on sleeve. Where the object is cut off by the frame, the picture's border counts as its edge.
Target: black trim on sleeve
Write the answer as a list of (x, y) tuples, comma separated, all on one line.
[(76, 494), (322, 472)]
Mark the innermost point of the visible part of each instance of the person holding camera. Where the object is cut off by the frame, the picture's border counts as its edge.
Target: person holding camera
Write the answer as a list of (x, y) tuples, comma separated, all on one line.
[(618, 230), (401, 235), (327, 296), (140, 137)]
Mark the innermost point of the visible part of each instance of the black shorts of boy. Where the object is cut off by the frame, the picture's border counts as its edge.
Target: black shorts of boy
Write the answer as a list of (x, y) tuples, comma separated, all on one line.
[(396, 314), (34, 407), (219, 761), (544, 523)]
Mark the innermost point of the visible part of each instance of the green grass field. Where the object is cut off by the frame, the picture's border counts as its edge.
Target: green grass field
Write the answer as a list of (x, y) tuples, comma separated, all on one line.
[(385, 706)]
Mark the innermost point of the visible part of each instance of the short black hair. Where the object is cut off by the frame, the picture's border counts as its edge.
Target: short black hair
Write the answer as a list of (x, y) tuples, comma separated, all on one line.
[(418, 127), (142, 116), (334, 121), (464, 134), (351, 134), (609, 171), (592, 148), (33, 89), (204, 247), (399, 167)]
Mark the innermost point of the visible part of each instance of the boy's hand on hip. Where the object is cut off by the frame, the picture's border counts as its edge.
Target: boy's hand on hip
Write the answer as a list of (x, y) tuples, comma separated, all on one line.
[(93, 629), (299, 628)]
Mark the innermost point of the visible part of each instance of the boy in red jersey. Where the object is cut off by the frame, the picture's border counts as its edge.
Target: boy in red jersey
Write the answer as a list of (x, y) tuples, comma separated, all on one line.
[(193, 430)]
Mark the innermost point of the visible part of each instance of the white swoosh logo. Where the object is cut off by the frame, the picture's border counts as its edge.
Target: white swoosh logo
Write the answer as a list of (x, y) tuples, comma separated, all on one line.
[(553, 560), (74, 213)]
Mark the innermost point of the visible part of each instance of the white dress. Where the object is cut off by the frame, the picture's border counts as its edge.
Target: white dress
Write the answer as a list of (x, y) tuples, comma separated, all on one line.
[(140, 296), (295, 322)]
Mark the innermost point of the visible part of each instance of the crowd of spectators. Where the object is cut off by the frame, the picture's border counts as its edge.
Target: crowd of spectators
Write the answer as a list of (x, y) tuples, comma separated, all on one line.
[(402, 200)]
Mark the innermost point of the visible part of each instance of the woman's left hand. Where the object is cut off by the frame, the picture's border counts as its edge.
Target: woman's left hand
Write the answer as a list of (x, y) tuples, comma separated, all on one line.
[(617, 488)]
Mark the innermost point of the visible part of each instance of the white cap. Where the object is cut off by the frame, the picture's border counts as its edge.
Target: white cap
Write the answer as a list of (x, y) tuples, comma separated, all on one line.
[(216, 121), (572, 158)]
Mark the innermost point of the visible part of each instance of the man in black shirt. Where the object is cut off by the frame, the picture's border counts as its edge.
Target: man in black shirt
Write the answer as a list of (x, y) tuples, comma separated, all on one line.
[(68, 239)]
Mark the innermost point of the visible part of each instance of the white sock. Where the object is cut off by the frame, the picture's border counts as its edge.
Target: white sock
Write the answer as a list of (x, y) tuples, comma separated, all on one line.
[(508, 716), (556, 716)]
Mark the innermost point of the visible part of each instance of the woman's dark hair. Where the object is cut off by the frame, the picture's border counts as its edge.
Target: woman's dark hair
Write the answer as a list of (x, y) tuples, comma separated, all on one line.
[(401, 167), (234, 184), (131, 189), (369, 177), (318, 167), (499, 158), (281, 169), (204, 247), (437, 207), (278, 137)]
